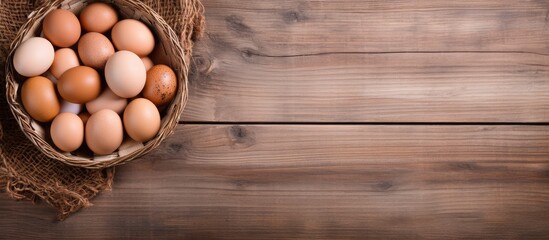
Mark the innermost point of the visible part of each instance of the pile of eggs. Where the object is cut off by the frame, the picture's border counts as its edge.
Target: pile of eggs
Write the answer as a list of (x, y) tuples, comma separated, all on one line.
[(96, 87)]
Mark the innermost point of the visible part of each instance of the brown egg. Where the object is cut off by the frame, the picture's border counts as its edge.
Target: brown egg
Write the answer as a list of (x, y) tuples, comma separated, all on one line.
[(161, 85), (141, 120), (95, 49), (67, 131), (61, 27), (79, 84), (65, 59), (134, 36), (39, 99), (104, 132), (98, 17)]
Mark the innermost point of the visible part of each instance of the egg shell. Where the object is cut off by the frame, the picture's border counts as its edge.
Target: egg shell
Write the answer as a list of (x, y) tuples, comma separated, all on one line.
[(134, 36), (33, 57), (98, 17), (79, 84), (104, 132), (161, 85), (141, 120), (95, 49), (125, 74), (67, 131), (40, 99), (107, 100), (147, 62), (64, 59), (69, 107), (61, 27)]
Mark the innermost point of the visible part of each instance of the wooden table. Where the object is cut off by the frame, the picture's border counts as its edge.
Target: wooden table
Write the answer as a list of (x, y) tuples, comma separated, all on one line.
[(343, 119)]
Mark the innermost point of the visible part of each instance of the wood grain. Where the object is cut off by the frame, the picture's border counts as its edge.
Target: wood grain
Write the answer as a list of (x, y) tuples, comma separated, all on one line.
[(345, 61), (372, 61), (321, 181)]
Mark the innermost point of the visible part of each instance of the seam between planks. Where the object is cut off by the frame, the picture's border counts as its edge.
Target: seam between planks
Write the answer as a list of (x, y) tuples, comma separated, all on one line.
[(256, 53)]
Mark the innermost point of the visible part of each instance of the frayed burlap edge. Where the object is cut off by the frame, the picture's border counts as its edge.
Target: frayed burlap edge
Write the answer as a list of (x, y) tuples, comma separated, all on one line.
[(59, 196)]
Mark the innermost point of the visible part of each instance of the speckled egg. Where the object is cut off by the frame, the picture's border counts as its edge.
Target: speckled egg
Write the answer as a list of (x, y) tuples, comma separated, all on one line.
[(161, 85)]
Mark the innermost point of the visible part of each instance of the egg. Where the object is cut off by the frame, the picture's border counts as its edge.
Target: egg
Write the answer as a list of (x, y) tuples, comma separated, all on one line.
[(33, 57), (98, 17), (79, 84), (63, 60), (40, 99), (104, 132), (67, 131), (69, 107), (125, 74), (161, 85), (147, 62), (107, 100), (141, 120), (134, 36), (61, 27), (95, 49)]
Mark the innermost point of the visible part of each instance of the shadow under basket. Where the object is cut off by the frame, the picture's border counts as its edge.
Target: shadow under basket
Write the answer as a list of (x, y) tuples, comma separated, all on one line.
[(167, 51)]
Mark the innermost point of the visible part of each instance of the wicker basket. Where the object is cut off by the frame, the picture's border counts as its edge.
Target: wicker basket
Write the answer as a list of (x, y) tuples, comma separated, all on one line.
[(169, 50)]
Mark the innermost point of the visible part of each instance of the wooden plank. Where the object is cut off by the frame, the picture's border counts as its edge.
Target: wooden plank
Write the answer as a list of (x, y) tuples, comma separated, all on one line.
[(372, 61), (322, 181), (289, 27)]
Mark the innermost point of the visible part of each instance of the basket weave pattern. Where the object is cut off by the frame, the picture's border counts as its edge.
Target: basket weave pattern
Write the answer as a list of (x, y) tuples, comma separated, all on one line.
[(173, 54)]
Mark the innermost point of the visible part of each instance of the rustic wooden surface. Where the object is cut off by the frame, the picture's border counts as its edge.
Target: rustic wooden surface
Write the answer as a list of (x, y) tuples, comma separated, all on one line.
[(346, 119), (373, 61)]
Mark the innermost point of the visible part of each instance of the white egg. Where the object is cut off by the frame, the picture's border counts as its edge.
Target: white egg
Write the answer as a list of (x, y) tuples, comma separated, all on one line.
[(71, 107), (33, 57), (125, 74)]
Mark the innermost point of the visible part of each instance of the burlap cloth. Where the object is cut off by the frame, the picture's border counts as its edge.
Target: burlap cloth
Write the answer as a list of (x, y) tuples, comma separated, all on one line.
[(25, 173)]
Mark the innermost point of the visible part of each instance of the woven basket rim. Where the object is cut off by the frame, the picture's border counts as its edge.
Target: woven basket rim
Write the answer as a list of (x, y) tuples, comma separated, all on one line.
[(173, 111)]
